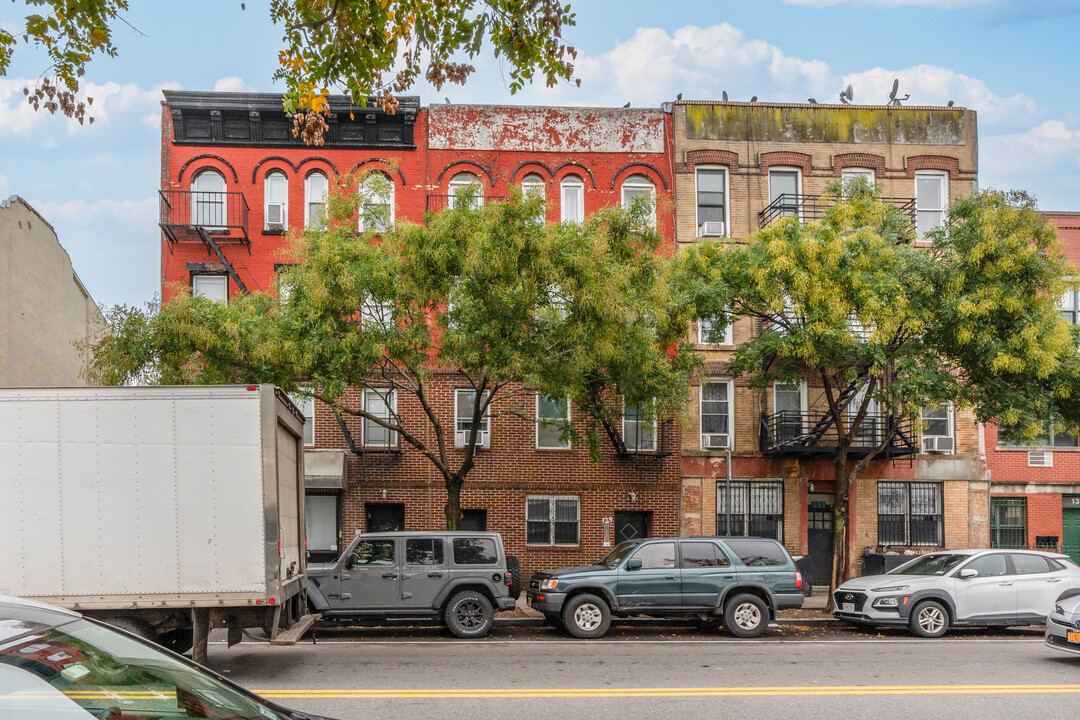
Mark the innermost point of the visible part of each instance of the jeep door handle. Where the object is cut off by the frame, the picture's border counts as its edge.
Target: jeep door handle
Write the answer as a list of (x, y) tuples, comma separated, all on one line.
[(434, 574), (389, 576)]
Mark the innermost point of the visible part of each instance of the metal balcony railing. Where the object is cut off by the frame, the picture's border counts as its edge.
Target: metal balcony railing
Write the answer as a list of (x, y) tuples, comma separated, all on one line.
[(812, 207), (438, 203), (223, 215), (814, 433)]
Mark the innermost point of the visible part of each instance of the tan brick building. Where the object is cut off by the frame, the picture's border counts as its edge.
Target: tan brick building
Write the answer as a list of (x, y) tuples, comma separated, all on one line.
[(737, 168)]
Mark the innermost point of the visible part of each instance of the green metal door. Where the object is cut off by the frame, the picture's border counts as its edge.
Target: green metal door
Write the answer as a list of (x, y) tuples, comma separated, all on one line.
[(1070, 523)]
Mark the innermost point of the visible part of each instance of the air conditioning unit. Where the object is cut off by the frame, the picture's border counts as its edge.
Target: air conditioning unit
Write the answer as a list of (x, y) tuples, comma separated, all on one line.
[(715, 441), (712, 229), (937, 444), (275, 215), (462, 438), (1040, 458)]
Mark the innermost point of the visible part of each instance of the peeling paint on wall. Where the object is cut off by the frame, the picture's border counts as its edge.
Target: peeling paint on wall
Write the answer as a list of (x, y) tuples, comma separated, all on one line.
[(559, 129)]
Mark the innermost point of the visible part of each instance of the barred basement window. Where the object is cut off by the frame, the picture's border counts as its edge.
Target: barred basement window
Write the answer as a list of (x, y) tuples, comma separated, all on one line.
[(1008, 522), (552, 519), (911, 514), (757, 509)]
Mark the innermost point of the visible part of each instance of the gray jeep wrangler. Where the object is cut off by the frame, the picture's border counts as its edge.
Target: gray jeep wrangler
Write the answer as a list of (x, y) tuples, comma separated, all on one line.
[(461, 578)]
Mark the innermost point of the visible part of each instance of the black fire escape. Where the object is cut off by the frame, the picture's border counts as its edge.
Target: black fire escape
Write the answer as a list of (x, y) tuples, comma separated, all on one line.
[(219, 220), (374, 454), (648, 458)]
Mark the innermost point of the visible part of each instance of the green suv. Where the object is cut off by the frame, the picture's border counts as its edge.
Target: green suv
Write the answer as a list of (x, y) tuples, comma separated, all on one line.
[(738, 581)]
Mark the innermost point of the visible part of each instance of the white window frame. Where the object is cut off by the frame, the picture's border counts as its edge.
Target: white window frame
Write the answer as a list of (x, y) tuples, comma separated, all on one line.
[(727, 198), (574, 182), (308, 200), (272, 176), (368, 198), (798, 184), (567, 419), (804, 403), (463, 180), (461, 437), (389, 396), (656, 428), (731, 410), (639, 182), (203, 277), (379, 313), (551, 520), (943, 199), (950, 418), (703, 326), (306, 404), (850, 173), (532, 185), (1070, 311), (222, 203)]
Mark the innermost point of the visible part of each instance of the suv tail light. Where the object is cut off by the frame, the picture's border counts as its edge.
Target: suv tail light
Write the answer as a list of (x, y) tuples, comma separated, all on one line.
[(508, 578), (798, 580)]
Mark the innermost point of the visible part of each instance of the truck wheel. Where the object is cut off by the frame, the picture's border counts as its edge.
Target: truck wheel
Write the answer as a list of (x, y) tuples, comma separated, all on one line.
[(586, 616), (469, 615), (179, 640), (513, 566), (929, 619), (746, 616), (134, 626)]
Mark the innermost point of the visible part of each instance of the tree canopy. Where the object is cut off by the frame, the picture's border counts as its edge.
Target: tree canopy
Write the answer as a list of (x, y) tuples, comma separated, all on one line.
[(510, 306), (359, 47)]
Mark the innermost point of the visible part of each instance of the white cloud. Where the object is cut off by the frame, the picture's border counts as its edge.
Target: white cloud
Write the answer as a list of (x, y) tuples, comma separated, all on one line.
[(17, 117), (100, 214), (232, 84), (1049, 148), (113, 99)]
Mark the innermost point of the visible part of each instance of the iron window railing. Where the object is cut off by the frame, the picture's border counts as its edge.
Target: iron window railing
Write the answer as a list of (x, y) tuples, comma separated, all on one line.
[(812, 207), (911, 514), (757, 509), (1008, 523)]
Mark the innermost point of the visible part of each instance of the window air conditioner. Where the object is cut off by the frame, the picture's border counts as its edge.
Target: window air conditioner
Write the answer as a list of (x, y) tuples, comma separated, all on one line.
[(712, 229), (715, 441), (275, 215), (1040, 458), (937, 444), (462, 438)]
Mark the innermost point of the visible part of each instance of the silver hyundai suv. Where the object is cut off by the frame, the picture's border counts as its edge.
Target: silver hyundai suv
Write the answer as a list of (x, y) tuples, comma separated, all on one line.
[(960, 587)]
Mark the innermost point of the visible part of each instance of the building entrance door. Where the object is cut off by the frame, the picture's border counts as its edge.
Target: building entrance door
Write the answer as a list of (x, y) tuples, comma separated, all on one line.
[(631, 526), (1070, 527), (819, 537)]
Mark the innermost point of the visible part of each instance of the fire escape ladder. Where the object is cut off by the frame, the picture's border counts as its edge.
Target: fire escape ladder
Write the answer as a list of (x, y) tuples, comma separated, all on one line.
[(212, 244), (615, 437), (842, 401)]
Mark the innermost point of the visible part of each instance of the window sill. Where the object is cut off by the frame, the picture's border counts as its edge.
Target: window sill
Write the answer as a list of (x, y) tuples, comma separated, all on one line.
[(553, 547), (267, 231), (707, 346), (554, 449)]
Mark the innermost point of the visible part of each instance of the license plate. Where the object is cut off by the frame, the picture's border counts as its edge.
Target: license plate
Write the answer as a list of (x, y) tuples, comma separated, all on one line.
[(1074, 636), (528, 601), (847, 607)]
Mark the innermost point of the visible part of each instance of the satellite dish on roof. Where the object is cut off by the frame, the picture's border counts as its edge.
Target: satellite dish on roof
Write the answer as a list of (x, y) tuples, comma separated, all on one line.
[(893, 100), (847, 95), (725, 95)]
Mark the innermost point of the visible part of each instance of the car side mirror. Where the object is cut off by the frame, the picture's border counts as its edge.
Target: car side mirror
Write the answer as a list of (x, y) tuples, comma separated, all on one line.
[(350, 561), (633, 564), (968, 573)]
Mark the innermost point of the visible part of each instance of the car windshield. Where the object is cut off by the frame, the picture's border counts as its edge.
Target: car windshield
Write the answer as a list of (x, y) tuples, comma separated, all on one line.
[(617, 554), (934, 564), (82, 670)]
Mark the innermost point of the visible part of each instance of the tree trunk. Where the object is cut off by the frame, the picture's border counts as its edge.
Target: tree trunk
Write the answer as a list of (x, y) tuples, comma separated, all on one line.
[(841, 514), (453, 502)]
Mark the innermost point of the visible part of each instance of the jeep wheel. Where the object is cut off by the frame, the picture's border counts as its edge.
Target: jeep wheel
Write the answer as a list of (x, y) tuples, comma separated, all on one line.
[(929, 619), (746, 616), (586, 616), (513, 566), (469, 615)]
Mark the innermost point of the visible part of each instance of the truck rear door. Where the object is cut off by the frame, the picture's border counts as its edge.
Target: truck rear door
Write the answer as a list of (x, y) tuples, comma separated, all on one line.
[(290, 533)]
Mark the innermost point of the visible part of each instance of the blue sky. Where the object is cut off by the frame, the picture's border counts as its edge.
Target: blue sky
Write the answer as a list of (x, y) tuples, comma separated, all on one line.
[(1014, 62)]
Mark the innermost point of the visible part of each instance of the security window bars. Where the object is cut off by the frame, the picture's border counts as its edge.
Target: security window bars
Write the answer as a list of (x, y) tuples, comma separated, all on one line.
[(552, 419), (911, 514), (757, 508), (552, 519), (711, 201), (379, 402), (1008, 523)]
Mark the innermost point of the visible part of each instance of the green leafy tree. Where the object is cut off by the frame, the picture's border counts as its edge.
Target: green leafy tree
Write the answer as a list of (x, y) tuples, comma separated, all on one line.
[(363, 48), (507, 305), (885, 327)]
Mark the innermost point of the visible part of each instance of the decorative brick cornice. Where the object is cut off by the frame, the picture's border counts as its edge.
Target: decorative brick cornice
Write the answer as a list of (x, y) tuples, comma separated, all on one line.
[(786, 158), (932, 162), (710, 157), (859, 160)]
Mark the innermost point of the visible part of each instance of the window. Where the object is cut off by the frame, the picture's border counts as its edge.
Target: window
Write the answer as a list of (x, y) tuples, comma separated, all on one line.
[(716, 415), (208, 199), (1008, 522), (552, 418), (758, 553), (702, 555), (321, 515), (533, 187), (849, 174), (707, 335), (473, 520), (475, 551), (757, 508), (639, 186), (656, 556), (378, 553), (789, 404), (991, 565), (376, 203), (1069, 305), (911, 514), (316, 190), (1025, 564), (639, 433), (468, 184), (424, 551), (374, 313), (211, 287), (1050, 437), (784, 188), (712, 202), (379, 402), (384, 517), (937, 433), (931, 193), (552, 520), (306, 405), (284, 285), (276, 202), (572, 202), (464, 400)]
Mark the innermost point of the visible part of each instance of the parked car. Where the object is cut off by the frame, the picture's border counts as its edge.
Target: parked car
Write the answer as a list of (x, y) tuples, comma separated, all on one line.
[(461, 578), (740, 582), (1063, 624), (936, 591), (56, 664)]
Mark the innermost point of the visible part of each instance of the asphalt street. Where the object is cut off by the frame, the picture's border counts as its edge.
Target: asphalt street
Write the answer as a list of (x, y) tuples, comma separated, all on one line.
[(654, 671)]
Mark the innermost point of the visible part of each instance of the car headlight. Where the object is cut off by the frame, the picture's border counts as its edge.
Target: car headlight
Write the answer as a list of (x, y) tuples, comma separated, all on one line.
[(891, 588), (887, 602), (549, 584)]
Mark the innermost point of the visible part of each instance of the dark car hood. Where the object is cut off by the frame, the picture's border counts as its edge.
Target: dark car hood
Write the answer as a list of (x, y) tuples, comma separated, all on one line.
[(560, 572)]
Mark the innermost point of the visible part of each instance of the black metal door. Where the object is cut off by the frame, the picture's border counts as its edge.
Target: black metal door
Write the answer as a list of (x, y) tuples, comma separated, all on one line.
[(819, 538), (384, 517), (631, 526)]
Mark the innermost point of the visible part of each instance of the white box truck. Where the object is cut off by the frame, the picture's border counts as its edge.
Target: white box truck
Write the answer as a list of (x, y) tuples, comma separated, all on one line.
[(168, 511)]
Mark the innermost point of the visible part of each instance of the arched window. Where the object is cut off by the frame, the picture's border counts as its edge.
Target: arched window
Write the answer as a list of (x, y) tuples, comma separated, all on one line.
[(461, 182), (572, 202), (376, 203), (208, 199), (316, 189), (533, 186), (276, 201), (639, 186)]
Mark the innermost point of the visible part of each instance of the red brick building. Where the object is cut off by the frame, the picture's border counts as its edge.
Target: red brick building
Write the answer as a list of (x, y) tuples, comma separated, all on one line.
[(235, 183), (1035, 489)]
